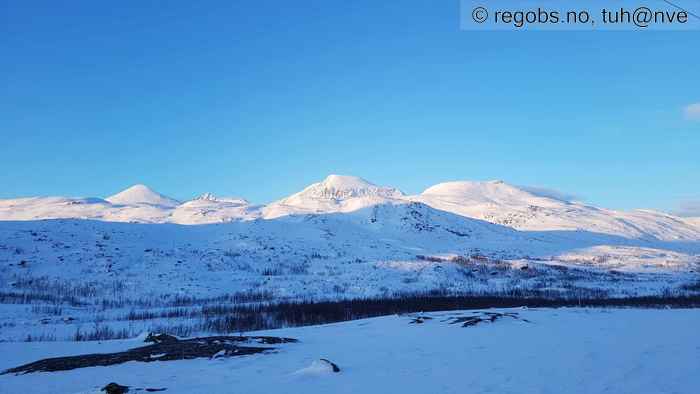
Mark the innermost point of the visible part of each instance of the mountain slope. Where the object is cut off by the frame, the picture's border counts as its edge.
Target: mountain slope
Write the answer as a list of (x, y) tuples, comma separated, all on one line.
[(693, 221), (35, 208), (501, 203), (208, 208)]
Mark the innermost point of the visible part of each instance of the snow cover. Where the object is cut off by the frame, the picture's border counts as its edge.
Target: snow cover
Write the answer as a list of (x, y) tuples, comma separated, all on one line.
[(208, 208), (336, 193), (83, 262), (693, 221), (141, 194), (501, 203), (567, 350), (341, 237)]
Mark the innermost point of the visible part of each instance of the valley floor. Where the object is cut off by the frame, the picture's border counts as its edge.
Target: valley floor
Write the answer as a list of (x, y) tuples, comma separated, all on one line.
[(565, 350)]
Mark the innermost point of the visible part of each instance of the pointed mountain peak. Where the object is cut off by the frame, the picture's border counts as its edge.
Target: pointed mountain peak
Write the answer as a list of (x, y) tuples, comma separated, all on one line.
[(141, 194)]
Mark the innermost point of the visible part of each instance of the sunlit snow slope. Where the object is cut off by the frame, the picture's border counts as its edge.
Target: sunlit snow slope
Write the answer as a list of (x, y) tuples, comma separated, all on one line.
[(501, 203)]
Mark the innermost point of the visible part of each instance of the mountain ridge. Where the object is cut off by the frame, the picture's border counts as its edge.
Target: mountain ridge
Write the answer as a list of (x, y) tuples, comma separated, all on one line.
[(494, 201)]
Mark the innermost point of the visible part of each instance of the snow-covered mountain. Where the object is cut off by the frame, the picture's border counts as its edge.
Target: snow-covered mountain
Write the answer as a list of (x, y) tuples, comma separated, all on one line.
[(137, 204), (501, 203), (336, 193), (38, 208), (208, 208), (141, 194), (497, 202), (34, 208)]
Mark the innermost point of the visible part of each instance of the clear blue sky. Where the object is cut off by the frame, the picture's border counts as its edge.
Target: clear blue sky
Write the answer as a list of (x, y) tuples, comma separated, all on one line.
[(261, 98)]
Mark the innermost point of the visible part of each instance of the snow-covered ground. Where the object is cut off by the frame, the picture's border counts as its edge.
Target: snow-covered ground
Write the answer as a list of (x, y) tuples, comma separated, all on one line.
[(566, 350)]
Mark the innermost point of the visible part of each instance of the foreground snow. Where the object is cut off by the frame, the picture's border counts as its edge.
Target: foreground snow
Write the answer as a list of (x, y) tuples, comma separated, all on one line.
[(557, 351)]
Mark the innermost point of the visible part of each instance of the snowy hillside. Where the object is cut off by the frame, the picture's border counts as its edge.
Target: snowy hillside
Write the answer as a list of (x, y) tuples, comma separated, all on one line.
[(392, 248), (208, 208), (308, 255), (80, 208), (693, 221), (501, 203)]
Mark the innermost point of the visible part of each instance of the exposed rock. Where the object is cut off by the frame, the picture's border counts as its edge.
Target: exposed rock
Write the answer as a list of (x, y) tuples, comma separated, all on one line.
[(419, 319), (333, 366), (114, 388), (167, 350), (481, 317), (159, 338)]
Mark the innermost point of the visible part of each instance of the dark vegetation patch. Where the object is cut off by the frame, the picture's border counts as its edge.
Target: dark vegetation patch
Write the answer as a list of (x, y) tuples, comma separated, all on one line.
[(44, 290), (62, 303), (482, 317), (234, 318), (165, 350), (302, 313), (692, 286)]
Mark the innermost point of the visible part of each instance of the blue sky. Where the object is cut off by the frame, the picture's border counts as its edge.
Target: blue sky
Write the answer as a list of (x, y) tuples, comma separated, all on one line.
[(261, 98)]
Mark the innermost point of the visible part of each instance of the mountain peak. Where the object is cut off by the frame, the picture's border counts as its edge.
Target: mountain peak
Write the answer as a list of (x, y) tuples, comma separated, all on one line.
[(346, 186), (336, 193), (345, 182), (141, 194)]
